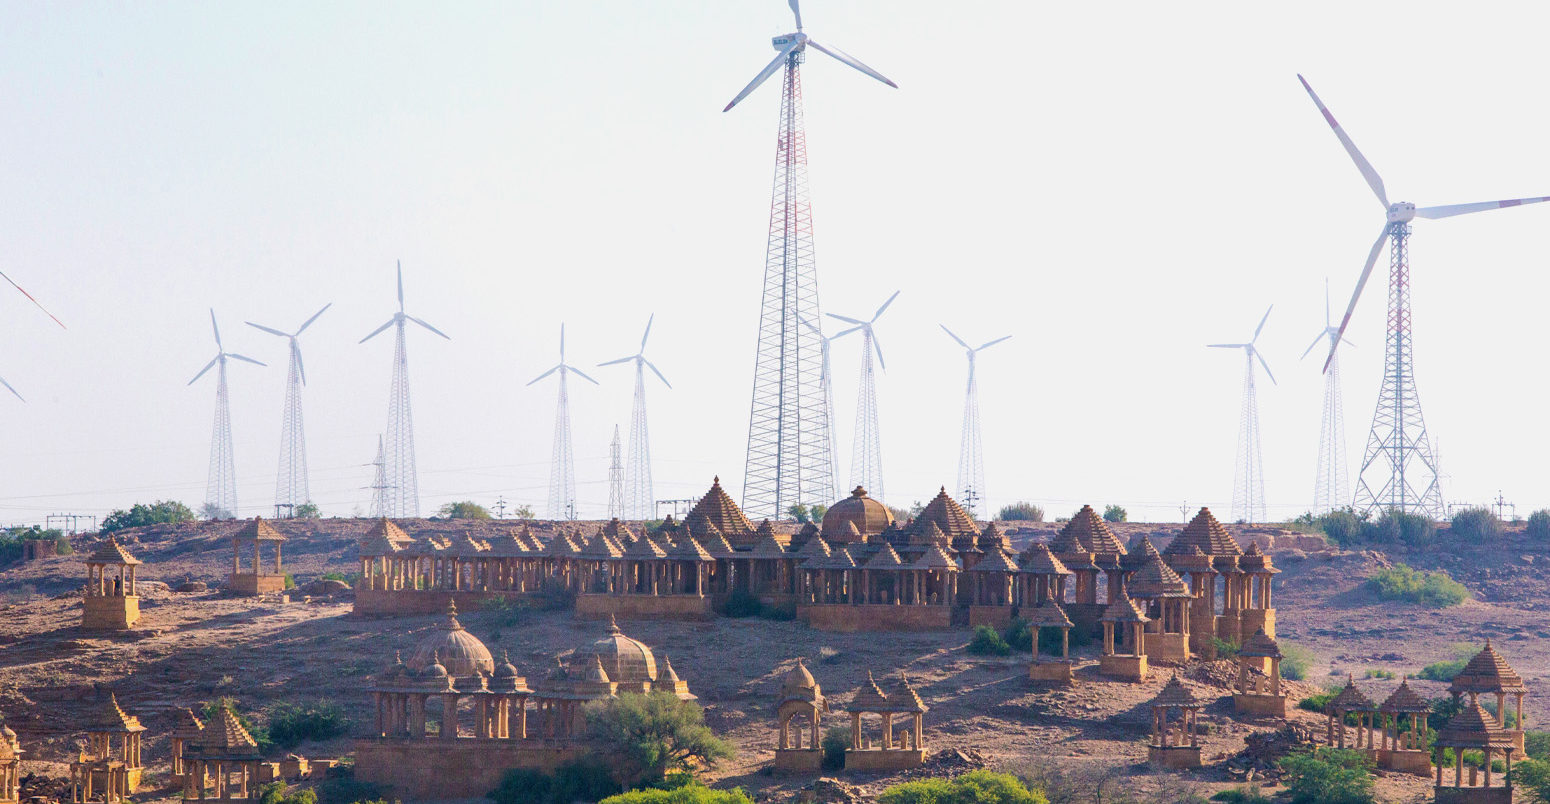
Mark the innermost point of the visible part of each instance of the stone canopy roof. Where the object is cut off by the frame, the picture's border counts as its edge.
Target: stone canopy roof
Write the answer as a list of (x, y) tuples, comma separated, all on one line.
[(1260, 645), (1404, 699), (994, 561), (1175, 694), (1123, 610), (1350, 699), (866, 516), (111, 552), (1155, 580), (1048, 614), (718, 509), (1487, 672), (945, 512), (903, 698), (108, 716), (1087, 532), (1206, 533), (186, 725), (1474, 728), (258, 530), (869, 697), (885, 558), (1040, 561), (1141, 551), (799, 686), (224, 737)]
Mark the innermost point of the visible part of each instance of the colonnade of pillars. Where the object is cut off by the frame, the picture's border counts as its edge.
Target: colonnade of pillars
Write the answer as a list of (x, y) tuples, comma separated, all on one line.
[(102, 583), (908, 740), (1475, 772), (494, 716), (808, 730), (1176, 733), (222, 780), (257, 563), (1335, 733), (858, 587)]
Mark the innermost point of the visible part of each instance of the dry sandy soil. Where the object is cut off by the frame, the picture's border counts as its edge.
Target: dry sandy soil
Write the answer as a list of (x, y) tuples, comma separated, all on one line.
[(192, 647)]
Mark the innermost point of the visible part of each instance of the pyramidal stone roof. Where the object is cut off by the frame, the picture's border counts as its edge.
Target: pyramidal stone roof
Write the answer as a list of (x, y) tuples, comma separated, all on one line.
[(1206, 533), (1403, 699), (225, 734), (1141, 551), (599, 546), (1049, 614), (1487, 672), (1350, 699), (869, 697), (814, 548), (384, 528), (108, 716), (903, 698), (1123, 610), (885, 558), (111, 552), (687, 549), (186, 725), (766, 546), (646, 548), (1473, 728), (948, 515), (1155, 580), (258, 530), (1041, 561), (1089, 533), (1174, 693), (994, 561), (717, 545), (717, 508), (935, 558), (1261, 645)]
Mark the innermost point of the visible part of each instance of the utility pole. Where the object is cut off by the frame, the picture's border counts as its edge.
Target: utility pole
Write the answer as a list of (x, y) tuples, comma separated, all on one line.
[(500, 507)]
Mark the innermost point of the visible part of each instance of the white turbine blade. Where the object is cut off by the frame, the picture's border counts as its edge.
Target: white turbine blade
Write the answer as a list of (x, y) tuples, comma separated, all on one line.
[(378, 330), (270, 330), (1372, 258), (1262, 323), (625, 359), (954, 337), (300, 367), (1464, 209), (816, 331), (1226, 345), (769, 70), (1373, 180), (878, 347), (314, 317), (843, 318), (852, 61), (797, 10), (40, 306), (400, 286), (1264, 364), (562, 344), (582, 376), (1347, 341), (429, 327), (1316, 339), (235, 356), (216, 328), (648, 326), (842, 333), (545, 374), (658, 373), (14, 391), (989, 344), (208, 366), (879, 313)]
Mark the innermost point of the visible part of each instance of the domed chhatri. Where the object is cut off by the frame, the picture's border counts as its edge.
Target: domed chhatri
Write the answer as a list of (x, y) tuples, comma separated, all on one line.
[(628, 662), (458, 651), (801, 704), (870, 518)]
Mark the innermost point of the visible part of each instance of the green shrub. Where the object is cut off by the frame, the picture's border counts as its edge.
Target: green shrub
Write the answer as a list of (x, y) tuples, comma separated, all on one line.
[(574, 780), (522, 785), (1378, 673), (1442, 671), (1537, 744), (1317, 701), (1433, 589), (162, 512), (274, 793), (1538, 524), (1398, 527), (346, 790), (1328, 776), (1295, 662), (1532, 776), (290, 583), (1242, 795), (1225, 649), (648, 735), (1114, 513), (987, 642), (1021, 512), (835, 742), (693, 793), (1476, 525), (742, 604), (467, 509), (974, 787), (306, 510), (290, 724), (1344, 526)]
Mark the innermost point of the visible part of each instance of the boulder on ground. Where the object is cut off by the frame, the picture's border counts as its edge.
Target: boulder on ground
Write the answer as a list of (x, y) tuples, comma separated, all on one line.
[(323, 587), (193, 586)]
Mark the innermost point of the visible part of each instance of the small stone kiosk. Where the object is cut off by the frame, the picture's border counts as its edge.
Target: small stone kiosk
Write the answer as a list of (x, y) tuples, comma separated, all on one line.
[(187, 729), (105, 771), (1474, 729), (1123, 626), (1173, 743), (1350, 701), (224, 756), (801, 700), (258, 581), (1488, 674), (111, 603), (1404, 750), (1259, 678), (10, 766), (892, 752), (1048, 669)]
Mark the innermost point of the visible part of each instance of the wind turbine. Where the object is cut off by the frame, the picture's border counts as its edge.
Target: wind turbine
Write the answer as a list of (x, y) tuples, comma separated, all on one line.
[(40, 307), (292, 488), (790, 439), (971, 457), (1329, 488), (1248, 494), (639, 498), (866, 463), (562, 467), (826, 380), (221, 483), (1397, 441), (401, 477)]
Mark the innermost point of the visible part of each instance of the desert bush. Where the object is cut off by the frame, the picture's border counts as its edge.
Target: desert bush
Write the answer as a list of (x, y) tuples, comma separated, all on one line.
[(290, 724), (161, 512), (290, 582), (1538, 524), (575, 780), (1114, 513), (1328, 776), (555, 595), (274, 793), (694, 793), (345, 789), (1433, 589), (1532, 777), (1021, 512), (466, 509), (649, 735), (974, 787), (742, 604), (804, 514), (1378, 673), (835, 742), (1295, 662), (987, 642), (1398, 527), (1344, 526), (1537, 744), (306, 510), (1442, 671), (1242, 795), (1476, 524), (1224, 648)]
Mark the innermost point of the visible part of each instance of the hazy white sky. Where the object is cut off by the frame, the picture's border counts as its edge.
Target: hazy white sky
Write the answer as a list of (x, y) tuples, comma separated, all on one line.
[(1114, 184)]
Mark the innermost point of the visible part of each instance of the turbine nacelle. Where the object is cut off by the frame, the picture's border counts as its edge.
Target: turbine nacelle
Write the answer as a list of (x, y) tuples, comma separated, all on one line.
[(1401, 212), (799, 40)]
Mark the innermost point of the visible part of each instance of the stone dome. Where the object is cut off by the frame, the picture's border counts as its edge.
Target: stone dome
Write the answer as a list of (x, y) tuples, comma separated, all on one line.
[(868, 516), (628, 662), (461, 653)]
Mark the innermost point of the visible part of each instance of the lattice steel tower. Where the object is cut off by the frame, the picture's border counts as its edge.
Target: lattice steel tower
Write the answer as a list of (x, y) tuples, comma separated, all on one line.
[(291, 487), (221, 483), (562, 461), (1329, 488), (615, 478), (639, 496), (866, 463), (402, 477), (381, 501), (971, 451), (789, 440), (1248, 482)]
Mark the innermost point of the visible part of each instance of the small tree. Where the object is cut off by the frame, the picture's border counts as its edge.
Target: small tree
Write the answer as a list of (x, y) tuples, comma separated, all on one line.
[(524, 512), (305, 510), (1328, 776), (1476, 524), (212, 511), (467, 509), (1114, 513), (649, 735), (161, 512), (798, 511), (1021, 512)]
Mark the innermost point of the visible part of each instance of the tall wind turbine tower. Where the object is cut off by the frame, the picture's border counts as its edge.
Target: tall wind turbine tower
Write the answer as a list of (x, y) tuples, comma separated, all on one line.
[(826, 381), (221, 483), (562, 466), (402, 477), (866, 463), (789, 437), (971, 452), (639, 497), (1248, 486), (1329, 486), (292, 488), (1399, 464), (615, 479)]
